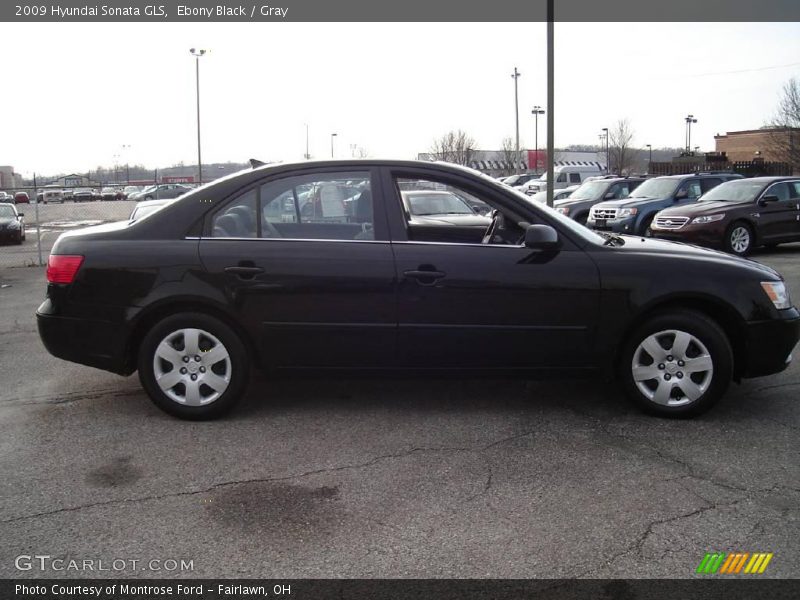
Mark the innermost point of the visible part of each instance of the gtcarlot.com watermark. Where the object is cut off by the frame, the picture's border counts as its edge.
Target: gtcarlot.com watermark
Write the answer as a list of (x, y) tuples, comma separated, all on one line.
[(55, 564)]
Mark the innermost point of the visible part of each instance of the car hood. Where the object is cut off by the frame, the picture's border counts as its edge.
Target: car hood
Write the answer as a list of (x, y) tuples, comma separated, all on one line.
[(565, 202), (467, 220), (7, 221), (703, 208), (628, 202), (636, 244)]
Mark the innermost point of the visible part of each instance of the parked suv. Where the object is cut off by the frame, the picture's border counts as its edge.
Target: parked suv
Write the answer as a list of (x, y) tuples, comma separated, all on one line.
[(634, 214), (577, 206), (737, 216), (564, 176)]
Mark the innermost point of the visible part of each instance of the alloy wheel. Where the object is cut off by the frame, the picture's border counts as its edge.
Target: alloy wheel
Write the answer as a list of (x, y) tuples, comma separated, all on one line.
[(740, 239), (672, 368)]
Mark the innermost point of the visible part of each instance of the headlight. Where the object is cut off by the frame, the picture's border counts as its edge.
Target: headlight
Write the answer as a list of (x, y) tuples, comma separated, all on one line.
[(563, 210), (627, 212), (709, 218), (777, 292)]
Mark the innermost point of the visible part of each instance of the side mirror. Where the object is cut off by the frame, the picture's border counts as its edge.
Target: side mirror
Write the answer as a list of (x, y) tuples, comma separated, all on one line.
[(20, 214), (609, 196), (767, 199), (541, 237), (682, 195)]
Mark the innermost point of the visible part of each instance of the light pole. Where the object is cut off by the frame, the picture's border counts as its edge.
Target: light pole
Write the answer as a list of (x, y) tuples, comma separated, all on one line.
[(537, 110), (307, 155), (689, 120), (650, 156), (608, 154), (125, 149), (333, 135), (197, 54), (516, 75)]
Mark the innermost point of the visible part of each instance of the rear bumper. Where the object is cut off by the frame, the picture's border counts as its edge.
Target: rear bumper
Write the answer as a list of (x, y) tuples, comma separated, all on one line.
[(769, 344), (93, 343)]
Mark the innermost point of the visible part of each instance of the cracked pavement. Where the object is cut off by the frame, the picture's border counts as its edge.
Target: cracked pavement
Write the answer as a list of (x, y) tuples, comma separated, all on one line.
[(417, 478)]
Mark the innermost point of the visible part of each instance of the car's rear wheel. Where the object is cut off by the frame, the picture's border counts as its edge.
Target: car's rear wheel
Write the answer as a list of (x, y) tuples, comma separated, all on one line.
[(193, 366), (677, 364), (739, 239)]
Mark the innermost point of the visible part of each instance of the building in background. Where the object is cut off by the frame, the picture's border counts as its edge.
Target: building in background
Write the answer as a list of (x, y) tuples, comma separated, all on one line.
[(9, 179), (497, 163), (757, 144)]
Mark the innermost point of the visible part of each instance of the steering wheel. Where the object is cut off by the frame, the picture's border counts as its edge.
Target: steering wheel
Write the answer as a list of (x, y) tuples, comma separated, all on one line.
[(493, 226), (268, 230)]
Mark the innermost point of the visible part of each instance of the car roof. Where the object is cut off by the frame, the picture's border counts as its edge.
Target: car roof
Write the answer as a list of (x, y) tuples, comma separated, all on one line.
[(771, 179)]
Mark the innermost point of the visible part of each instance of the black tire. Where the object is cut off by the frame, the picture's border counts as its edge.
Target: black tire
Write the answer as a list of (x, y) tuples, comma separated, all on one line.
[(733, 234), (582, 218), (237, 369), (710, 385), (19, 239), (645, 230)]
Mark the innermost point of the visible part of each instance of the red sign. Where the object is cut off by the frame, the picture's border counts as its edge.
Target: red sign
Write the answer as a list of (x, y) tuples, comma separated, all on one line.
[(189, 179)]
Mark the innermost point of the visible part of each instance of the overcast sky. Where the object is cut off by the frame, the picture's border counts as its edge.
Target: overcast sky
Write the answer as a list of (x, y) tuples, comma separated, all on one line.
[(74, 94)]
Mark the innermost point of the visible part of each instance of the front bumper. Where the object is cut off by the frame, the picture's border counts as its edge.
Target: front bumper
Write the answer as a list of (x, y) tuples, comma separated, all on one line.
[(769, 344), (711, 235), (94, 343), (10, 235), (625, 225)]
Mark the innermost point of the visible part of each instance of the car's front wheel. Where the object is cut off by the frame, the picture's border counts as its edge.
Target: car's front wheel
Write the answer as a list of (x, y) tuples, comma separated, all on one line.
[(193, 366), (677, 364), (739, 239)]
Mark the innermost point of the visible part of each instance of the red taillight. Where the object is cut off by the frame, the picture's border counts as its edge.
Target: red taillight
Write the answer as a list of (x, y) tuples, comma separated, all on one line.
[(63, 268)]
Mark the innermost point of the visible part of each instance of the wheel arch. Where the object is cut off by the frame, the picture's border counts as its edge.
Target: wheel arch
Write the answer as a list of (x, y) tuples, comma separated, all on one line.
[(152, 315), (722, 313)]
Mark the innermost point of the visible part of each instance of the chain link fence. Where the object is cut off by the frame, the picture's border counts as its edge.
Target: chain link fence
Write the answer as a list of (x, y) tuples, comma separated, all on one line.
[(31, 219)]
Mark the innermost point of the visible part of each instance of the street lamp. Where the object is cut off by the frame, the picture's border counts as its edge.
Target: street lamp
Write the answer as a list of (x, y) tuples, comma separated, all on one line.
[(608, 158), (689, 120), (197, 54), (516, 75), (650, 158), (333, 135), (537, 110), (125, 149), (307, 155)]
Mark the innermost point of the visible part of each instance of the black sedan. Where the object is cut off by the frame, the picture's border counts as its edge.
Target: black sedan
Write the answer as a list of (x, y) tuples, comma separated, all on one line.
[(234, 274), (12, 226)]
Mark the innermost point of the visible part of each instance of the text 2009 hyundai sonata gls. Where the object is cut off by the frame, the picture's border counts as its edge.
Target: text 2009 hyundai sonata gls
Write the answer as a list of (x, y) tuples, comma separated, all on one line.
[(318, 266)]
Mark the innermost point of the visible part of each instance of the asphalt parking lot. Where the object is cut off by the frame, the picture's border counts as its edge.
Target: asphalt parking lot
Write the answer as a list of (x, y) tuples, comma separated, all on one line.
[(360, 478)]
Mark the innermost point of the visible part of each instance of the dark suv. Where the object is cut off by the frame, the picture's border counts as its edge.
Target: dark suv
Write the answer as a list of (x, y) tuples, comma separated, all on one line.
[(634, 214), (737, 216), (577, 206)]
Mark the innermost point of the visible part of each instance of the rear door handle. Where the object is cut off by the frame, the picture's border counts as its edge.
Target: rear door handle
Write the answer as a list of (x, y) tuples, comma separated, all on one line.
[(425, 277), (244, 272)]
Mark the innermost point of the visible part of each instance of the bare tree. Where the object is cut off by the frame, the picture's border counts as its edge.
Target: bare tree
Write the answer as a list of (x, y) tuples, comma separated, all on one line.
[(455, 147), (361, 152), (621, 153), (508, 154), (784, 140)]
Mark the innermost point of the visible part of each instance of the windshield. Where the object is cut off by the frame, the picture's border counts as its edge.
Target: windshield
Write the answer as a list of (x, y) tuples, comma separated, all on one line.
[(7, 212), (512, 180), (437, 204), (656, 188), (589, 190), (583, 232), (734, 191)]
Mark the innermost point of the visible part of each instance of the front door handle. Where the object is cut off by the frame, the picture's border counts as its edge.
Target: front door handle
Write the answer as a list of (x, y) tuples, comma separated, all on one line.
[(244, 272), (425, 277)]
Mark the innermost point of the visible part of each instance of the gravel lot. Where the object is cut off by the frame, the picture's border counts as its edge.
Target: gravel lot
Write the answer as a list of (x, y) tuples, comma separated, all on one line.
[(345, 478)]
